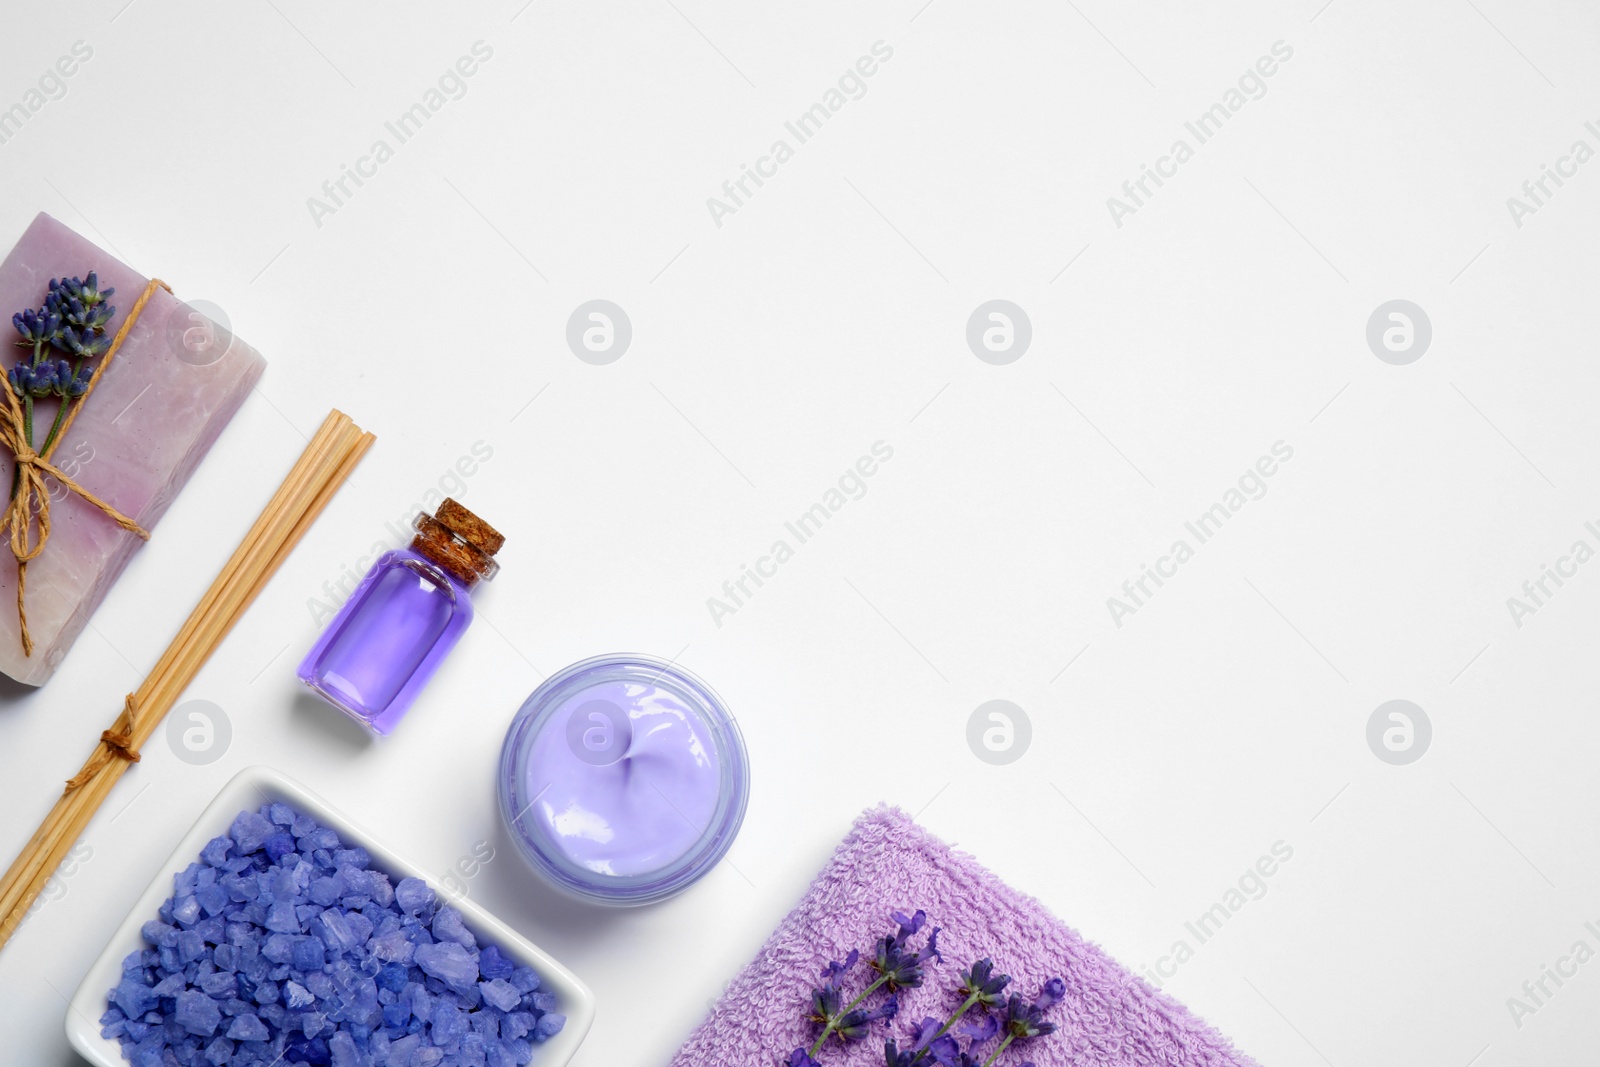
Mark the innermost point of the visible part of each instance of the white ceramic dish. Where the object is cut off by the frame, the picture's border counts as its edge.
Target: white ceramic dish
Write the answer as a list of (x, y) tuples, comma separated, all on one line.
[(248, 790)]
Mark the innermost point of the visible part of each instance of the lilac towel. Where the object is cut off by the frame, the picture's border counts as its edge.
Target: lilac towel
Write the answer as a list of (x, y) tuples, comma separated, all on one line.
[(888, 862)]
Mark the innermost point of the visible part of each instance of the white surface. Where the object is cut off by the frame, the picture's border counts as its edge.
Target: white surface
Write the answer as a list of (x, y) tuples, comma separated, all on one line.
[(825, 315), (248, 790)]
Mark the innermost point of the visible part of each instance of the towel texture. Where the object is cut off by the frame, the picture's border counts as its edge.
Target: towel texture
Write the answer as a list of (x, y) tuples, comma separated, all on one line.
[(1110, 1018)]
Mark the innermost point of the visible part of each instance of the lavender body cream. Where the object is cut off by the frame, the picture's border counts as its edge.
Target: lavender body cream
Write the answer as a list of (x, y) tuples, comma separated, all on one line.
[(623, 780)]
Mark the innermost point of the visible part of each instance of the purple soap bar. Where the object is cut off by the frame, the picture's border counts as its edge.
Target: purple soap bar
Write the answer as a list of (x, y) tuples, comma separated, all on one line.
[(153, 416)]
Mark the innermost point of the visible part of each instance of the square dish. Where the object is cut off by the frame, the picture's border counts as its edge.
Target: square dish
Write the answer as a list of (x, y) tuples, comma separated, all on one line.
[(246, 791)]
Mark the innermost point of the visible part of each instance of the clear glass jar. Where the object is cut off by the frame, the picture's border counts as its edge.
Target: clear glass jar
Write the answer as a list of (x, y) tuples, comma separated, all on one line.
[(623, 780)]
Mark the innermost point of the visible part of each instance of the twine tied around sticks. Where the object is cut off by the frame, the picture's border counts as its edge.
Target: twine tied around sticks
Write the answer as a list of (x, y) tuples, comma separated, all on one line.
[(115, 742), (31, 503)]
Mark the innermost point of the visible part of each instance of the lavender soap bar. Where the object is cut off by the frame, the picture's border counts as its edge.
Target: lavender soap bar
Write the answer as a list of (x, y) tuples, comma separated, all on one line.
[(163, 401)]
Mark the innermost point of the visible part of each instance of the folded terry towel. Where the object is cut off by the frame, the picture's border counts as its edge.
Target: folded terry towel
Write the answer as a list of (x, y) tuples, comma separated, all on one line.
[(1109, 1017)]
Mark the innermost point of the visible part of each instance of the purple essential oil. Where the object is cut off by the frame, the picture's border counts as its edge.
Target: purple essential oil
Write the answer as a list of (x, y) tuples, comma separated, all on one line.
[(403, 619)]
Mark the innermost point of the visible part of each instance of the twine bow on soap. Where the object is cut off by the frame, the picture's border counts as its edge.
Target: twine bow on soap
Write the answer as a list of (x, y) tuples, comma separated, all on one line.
[(28, 514)]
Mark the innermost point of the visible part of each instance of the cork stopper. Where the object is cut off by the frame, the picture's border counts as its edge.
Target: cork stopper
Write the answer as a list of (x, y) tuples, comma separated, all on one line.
[(459, 542), (467, 526)]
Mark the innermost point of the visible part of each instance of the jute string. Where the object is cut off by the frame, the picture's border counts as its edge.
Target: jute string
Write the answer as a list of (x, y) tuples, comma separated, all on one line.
[(28, 514), (115, 742)]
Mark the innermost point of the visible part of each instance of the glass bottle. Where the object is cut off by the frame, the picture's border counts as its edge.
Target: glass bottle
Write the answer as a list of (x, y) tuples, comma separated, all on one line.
[(403, 619)]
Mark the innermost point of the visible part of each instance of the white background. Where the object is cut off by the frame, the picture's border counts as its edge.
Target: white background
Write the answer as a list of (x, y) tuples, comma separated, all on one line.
[(827, 314)]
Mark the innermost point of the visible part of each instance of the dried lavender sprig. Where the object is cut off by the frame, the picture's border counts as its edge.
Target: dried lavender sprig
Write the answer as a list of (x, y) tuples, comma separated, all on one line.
[(903, 969), (1024, 1020), (85, 314), (851, 1021), (930, 1040), (73, 319), (897, 968), (980, 985)]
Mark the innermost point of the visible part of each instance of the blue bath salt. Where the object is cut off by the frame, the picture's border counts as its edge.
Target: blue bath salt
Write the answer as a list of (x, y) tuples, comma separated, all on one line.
[(282, 947)]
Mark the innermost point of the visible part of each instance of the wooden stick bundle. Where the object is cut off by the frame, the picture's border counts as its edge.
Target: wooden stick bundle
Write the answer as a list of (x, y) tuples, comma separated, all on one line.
[(327, 461)]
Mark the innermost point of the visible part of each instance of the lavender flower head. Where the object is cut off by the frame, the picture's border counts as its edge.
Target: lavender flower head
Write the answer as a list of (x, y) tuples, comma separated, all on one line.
[(855, 1024), (73, 320), (836, 970), (1026, 1020), (899, 968), (980, 1030), (927, 1042), (827, 998), (983, 985), (74, 304), (36, 327), (52, 377)]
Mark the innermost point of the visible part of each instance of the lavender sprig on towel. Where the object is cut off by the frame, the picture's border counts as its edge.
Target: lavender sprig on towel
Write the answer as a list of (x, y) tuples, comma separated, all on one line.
[(930, 1042)]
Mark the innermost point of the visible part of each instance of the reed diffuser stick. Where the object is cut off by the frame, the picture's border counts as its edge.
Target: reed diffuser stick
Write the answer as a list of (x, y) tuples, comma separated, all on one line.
[(327, 461)]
